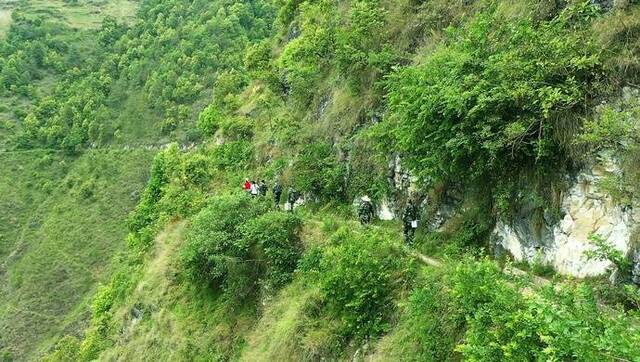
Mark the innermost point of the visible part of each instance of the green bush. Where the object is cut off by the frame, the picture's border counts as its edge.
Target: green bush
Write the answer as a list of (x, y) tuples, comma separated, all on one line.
[(209, 120), (605, 251), (145, 212), (495, 98), (554, 324), (358, 279), (304, 59), (362, 53), (614, 128), (473, 309), (234, 155), (275, 238), (196, 170), (433, 323), (237, 128), (234, 245), (214, 242), (318, 171)]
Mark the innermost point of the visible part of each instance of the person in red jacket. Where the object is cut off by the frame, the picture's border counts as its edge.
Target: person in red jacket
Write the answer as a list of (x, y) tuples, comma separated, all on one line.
[(247, 185)]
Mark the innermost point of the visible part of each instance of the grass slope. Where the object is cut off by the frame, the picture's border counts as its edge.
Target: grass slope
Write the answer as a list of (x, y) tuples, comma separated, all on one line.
[(84, 14), (62, 242), (178, 322), (25, 183)]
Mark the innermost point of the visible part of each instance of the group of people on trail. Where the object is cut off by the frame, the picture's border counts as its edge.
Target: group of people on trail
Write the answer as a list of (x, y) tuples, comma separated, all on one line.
[(366, 209), (256, 189), (409, 217)]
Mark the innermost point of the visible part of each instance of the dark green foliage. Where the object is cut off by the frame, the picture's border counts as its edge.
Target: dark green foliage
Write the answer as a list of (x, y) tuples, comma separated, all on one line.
[(33, 46), (275, 236), (361, 51), (366, 173), (258, 58), (216, 252), (161, 65), (235, 155), (237, 128), (234, 245), (318, 171), (304, 59), (358, 278), (177, 187), (145, 212), (432, 325), (209, 120), (474, 310), (494, 97)]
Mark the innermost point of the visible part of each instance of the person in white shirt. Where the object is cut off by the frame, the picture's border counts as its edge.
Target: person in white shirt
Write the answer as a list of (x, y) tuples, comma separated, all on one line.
[(254, 188)]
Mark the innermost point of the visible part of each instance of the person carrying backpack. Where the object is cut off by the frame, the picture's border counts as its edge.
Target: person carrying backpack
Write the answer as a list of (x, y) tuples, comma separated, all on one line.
[(409, 222), (365, 211), (263, 188), (277, 193), (292, 197)]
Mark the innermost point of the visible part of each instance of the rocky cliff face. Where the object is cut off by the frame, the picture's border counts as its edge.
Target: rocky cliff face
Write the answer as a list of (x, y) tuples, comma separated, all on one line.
[(585, 210)]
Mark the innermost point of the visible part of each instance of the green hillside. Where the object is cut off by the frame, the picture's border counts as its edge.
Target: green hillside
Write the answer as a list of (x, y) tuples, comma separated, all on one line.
[(127, 130), (64, 233)]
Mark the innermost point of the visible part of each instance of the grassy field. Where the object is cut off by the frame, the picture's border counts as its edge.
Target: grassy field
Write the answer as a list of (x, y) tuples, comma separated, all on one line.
[(85, 14), (5, 21), (6, 9), (63, 224), (25, 183)]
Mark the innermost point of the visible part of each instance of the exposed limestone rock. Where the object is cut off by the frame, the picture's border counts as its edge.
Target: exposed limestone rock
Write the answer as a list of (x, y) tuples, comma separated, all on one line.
[(385, 212), (586, 210)]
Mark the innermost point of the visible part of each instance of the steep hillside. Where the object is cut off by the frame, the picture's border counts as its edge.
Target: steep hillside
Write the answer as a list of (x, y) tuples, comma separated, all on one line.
[(79, 112), (510, 125), (64, 233)]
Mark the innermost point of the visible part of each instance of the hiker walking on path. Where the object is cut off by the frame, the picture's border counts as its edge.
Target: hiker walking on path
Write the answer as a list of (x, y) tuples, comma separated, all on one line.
[(254, 189), (277, 193), (365, 211), (263, 188), (247, 185), (409, 222), (292, 197)]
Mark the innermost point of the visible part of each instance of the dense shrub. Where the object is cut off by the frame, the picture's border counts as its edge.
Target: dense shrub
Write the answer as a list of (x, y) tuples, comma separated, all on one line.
[(155, 70), (234, 155), (209, 120), (234, 244), (145, 211), (318, 171), (305, 58), (237, 128), (498, 321), (366, 174), (433, 323), (275, 238), (358, 279), (362, 53), (496, 97), (615, 127)]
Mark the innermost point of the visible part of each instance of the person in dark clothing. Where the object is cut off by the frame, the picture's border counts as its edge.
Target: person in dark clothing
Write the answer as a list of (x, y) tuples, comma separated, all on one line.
[(292, 197), (263, 188), (365, 211), (409, 222), (277, 193)]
